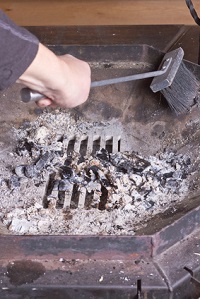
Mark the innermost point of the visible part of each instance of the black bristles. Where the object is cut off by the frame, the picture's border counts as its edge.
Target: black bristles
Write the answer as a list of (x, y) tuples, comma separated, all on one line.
[(181, 93)]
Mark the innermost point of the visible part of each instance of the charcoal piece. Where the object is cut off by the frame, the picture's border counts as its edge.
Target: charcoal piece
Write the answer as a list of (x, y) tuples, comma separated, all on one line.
[(145, 192), (92, 172), (105, 183), (139, 199), (28, 145), (125, 167), (149, 204), (20, 171), (162, 182), (67, 172), (103, 155), (129, 163), (78, 180), (64, 185), (21, 151), (173, 162), (119, 227), (59, 153), (38, 111), (61, 198), (170, 183), (41, 163), (94, 168), (187, 161), (25, 148), (30, 171), (14, 182), (184, 175), (68, 161), (168, 175), (81, 159), (1, 182)]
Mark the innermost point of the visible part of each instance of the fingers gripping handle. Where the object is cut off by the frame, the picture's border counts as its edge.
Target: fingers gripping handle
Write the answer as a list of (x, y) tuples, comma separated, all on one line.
[(28, 95)]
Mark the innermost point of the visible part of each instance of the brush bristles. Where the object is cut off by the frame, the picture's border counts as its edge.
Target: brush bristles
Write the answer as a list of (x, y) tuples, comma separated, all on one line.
[(183, 90)]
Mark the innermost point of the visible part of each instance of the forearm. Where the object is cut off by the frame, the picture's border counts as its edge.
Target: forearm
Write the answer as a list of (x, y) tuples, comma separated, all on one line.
[(18, 47)]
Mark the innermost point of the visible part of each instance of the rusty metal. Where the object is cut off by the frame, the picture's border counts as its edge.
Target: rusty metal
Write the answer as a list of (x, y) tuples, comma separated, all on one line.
[(113, 266)]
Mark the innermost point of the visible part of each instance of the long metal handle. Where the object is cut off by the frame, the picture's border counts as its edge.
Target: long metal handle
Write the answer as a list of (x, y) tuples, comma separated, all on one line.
[(28, 95)]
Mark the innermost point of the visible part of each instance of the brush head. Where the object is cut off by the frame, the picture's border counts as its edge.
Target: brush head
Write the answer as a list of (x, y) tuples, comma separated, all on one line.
[(178, 85)]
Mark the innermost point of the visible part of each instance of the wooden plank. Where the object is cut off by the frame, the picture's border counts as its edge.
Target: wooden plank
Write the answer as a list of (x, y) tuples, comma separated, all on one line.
[(98, 12)]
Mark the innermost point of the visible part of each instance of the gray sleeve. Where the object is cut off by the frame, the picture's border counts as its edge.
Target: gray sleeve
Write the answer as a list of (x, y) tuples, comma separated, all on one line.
[(18, 48)]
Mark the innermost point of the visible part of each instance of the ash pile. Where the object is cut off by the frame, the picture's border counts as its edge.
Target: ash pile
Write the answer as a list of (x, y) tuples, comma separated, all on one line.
[(54, 188)]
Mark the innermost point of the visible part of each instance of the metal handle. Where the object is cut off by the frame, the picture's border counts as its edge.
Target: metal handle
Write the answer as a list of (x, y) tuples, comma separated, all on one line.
[(28, 95)]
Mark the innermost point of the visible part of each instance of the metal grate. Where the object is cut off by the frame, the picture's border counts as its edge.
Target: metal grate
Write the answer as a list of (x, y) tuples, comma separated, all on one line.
[(72, 195), (90, 144)]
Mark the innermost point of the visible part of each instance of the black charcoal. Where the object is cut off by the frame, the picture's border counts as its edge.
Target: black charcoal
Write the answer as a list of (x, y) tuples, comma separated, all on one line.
[(129, 163), (149, 204), (30, 171), (68, 161), (14, 182), (103, 155), (64, 185), (41, 163), (67, 172)]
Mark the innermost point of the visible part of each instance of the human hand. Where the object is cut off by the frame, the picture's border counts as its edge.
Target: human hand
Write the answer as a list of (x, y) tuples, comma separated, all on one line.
[(64, 80)]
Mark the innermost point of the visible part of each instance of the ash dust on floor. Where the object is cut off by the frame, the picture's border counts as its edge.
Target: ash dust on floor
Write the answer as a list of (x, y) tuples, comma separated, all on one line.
[(70, 177)]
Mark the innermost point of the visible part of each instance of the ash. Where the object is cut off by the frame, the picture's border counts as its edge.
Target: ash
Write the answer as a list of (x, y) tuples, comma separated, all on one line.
[(47, 186)]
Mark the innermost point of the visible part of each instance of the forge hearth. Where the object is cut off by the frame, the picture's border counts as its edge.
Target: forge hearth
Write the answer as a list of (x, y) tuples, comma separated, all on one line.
[(77, 174), (122, 153)]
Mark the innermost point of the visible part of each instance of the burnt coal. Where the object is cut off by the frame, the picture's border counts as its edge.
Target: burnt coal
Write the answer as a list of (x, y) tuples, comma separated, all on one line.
[(92, 172), (30, 171), (168, 175), (42, 162), (120, 174), (64, 185), (81, 159), (25, 148), (103, 155), (67, 172), (129, 163), (14, 182), (149, 204), (68, 161)]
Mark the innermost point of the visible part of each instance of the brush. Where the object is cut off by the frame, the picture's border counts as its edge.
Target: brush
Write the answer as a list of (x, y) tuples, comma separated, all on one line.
[(178, 85)]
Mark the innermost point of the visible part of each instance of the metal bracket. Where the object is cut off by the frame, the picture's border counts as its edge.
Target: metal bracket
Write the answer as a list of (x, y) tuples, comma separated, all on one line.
[(193, 279)]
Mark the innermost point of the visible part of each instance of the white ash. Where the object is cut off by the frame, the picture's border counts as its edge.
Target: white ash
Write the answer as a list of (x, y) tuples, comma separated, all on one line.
[(122, 190)]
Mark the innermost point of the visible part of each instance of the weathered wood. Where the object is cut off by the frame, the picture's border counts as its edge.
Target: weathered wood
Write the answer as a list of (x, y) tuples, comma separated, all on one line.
[(98, 12)]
